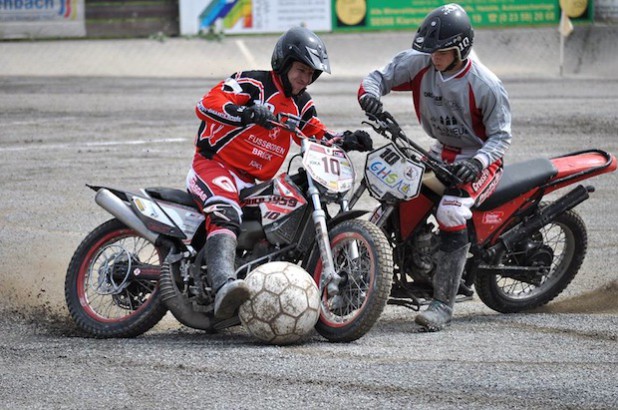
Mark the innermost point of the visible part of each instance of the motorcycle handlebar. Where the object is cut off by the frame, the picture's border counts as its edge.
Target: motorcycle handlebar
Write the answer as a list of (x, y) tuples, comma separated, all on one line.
[(291, 122), (385, 124)]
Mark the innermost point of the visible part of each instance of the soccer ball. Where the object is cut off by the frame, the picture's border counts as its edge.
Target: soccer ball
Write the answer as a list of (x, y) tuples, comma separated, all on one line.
[(284, 305)]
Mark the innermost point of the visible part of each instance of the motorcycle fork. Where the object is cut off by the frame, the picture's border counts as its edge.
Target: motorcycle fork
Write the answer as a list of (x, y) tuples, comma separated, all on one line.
[(357, 194), (380, 215), (329, 278)]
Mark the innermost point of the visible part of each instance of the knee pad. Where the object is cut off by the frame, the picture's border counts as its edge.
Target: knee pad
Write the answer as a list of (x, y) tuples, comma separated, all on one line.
[(454, 212), (221, 215)]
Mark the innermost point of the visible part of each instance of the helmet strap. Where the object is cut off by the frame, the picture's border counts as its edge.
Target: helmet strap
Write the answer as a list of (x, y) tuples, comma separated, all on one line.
[(287, 87), (456, 61), (452, 65)]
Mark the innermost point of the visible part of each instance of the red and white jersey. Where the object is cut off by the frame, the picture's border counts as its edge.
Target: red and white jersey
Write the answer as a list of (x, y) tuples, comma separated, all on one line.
[(252, 152), (468, 113)]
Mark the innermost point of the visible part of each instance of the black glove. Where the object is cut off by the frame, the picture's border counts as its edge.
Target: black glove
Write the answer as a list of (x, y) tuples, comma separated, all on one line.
[(358, 140), (258, 114), (370, 104), (468, 170)]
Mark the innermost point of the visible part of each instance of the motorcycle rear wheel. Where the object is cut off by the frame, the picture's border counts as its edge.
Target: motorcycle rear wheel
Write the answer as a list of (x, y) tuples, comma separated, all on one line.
[(567, 240), (366, 285), (103, 291)]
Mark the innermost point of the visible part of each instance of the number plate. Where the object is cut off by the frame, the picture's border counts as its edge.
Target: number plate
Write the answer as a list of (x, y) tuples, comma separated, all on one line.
[(329, 167), (389, 173)]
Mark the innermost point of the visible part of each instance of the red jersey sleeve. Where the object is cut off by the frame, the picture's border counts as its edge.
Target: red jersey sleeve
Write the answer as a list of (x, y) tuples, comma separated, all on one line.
[(224, 102)]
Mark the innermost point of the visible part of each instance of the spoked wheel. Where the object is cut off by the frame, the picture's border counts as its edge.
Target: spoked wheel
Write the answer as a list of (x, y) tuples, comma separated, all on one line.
[(363, 258), (111, 287), (556, 253)]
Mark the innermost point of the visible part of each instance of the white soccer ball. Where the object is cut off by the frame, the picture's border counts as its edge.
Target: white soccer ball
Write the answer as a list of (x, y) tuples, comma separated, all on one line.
[(284, 305)]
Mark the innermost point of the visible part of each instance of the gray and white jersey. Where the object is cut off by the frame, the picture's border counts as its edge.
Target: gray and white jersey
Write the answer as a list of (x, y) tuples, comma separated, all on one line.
[(468, 113)]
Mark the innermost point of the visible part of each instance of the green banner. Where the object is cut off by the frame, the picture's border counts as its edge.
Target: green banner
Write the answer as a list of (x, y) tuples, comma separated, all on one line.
[(350, 15)]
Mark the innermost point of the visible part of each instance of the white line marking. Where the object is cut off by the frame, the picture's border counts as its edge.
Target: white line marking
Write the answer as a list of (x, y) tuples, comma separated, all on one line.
[(245, 51), (42, 145)]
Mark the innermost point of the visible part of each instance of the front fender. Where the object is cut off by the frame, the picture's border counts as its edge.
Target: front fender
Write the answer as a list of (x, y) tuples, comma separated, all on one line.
[(345, 216)]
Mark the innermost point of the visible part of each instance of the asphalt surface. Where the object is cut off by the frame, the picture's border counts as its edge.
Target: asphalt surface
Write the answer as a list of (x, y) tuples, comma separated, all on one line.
[(107, 113)]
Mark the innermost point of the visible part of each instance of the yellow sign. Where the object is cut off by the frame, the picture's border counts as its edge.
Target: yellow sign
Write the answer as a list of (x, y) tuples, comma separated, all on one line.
[(351, 12), (574, 8)]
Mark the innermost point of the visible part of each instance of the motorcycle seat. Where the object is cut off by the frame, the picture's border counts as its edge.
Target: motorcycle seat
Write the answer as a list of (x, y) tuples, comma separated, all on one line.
[(517, 179), (176, 196)]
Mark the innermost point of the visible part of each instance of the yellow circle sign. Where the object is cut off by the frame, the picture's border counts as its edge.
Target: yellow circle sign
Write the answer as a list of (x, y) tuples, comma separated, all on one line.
[(351, 12), (574, 8)]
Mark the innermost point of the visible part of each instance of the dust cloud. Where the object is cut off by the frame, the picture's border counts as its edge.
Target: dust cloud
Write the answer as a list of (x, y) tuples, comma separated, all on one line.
[(603, 300)]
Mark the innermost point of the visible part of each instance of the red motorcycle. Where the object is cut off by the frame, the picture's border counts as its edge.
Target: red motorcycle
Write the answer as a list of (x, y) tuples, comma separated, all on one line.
[(151, 256), (525, 250)]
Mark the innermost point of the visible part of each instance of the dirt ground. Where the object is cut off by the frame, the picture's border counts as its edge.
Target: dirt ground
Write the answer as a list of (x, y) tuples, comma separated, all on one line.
[(133, 129)]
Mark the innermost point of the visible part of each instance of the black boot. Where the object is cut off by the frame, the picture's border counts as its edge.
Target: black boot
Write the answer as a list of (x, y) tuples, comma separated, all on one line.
[(449, 268), (230, 292)]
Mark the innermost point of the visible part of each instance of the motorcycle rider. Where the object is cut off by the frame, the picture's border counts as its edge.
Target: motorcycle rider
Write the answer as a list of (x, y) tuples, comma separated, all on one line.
[(238, 144), (465, 107)]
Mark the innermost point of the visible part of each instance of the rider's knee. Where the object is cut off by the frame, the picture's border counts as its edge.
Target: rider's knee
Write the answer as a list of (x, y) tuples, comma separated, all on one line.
[(453, 212), (222, 215)]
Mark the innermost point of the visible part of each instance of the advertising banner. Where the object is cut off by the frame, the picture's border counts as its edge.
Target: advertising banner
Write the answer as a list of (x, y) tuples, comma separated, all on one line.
[(606, 11), (41, 18), (408, 14), (253, 16)]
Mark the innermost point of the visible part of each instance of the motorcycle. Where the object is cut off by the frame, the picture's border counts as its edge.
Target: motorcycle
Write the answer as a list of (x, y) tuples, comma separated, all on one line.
[(525, 250), (150, 258)]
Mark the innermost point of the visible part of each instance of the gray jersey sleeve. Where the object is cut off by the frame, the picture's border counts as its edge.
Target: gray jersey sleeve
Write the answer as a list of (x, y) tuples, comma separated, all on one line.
[(396, 74)]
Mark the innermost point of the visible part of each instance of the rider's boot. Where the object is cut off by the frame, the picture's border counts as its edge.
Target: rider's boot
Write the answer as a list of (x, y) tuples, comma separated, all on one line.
[(449, 269), (230, 292)]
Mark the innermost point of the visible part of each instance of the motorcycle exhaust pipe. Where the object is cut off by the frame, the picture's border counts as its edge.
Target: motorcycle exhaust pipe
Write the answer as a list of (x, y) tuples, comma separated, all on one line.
[(525, 228), (115, 206)]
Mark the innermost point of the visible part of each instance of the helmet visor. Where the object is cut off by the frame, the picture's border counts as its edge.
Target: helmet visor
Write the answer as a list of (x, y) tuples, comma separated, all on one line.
[(317, 59)]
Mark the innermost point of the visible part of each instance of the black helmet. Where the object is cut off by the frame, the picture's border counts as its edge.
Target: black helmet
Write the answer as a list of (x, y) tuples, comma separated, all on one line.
[(446, 27), (300, 44)]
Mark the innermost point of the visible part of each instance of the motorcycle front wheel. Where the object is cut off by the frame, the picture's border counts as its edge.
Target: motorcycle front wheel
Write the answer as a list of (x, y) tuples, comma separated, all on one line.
[(558, 248), (112, 287), (365, 285)]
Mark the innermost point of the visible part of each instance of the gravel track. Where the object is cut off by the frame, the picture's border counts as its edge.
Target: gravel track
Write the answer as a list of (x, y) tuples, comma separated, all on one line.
[(60, 132)]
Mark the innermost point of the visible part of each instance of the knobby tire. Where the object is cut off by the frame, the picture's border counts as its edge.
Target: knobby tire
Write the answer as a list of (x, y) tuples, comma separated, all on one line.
[(81, 292)]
